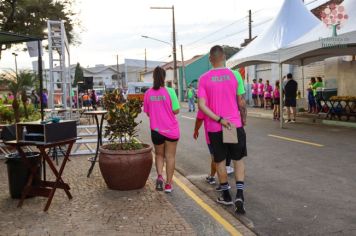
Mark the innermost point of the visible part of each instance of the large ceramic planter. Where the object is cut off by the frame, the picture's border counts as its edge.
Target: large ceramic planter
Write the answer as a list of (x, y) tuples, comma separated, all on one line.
[(125, 170)]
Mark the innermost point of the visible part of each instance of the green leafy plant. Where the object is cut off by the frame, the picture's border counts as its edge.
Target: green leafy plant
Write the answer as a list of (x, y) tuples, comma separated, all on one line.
[(18, 84), (122, 128)]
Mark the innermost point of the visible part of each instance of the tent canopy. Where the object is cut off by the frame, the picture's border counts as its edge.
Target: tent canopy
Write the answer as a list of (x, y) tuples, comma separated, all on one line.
[(9, 38), (292, 21), (319, 43)]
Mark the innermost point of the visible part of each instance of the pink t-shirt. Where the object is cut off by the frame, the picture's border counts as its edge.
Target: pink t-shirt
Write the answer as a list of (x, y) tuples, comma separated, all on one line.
[(260, 88), (255, 89), (219, 88), (159, 106), (276, 93), (202, 116), (268, 91)]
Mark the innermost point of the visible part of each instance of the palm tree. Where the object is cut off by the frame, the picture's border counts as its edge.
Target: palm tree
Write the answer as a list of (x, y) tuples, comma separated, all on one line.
[(18, 84)]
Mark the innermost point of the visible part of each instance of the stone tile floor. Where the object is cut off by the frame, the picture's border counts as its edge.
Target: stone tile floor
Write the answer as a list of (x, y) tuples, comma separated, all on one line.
[(94, 209)]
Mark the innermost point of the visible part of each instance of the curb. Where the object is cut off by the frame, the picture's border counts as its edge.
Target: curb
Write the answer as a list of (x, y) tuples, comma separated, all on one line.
[(306, 120)]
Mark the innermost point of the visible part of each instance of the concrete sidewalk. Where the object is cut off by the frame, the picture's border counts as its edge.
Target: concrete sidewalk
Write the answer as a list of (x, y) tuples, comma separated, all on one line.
[(302, 117), (94, 209)]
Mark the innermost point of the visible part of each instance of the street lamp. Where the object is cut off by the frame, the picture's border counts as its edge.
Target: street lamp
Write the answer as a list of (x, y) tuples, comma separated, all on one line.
[(15, 55), (148, 37), (174, 43)]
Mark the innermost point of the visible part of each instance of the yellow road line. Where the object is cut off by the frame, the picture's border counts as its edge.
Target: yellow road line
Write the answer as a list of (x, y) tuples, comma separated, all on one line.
[(228, 227), (296, 140)]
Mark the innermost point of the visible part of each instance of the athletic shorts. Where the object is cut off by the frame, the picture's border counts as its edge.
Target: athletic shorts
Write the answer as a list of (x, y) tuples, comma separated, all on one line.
[(290, 102), (210, 149), (276, 101), (158, 139), (223, 150), (254, 96), (261, 96)]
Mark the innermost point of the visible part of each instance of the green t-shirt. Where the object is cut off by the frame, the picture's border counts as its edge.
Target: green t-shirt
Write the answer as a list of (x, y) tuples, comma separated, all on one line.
[(317, 85), (190, 93), (174, 98), (241, 87)]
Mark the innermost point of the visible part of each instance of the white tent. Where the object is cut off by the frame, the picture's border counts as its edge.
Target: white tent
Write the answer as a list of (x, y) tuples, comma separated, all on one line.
[(292, 21), (319, 43)]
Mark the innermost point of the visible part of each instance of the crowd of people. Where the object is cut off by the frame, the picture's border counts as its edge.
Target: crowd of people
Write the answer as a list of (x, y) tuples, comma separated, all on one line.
[(222, 110), (88, 99), (34, 99), (264, 95)]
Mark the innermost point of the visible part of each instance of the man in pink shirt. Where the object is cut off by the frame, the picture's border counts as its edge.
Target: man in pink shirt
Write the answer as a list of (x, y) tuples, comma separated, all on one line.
[(218, 99)]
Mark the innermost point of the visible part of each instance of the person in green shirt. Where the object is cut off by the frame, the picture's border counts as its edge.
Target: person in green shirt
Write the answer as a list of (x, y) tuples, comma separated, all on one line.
[(191, 98), (319, 84)]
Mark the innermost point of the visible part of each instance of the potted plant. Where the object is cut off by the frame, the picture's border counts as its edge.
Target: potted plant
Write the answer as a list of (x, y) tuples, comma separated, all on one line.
[(125, 163)]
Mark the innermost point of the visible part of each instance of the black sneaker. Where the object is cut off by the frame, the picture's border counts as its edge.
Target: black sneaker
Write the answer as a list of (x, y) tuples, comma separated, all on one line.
[(210, 180), (218, 188), (239, 206), (225, 198), (159, 184)]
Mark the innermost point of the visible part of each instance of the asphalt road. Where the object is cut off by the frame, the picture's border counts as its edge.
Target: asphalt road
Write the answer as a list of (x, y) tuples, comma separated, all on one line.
[(300, 180)]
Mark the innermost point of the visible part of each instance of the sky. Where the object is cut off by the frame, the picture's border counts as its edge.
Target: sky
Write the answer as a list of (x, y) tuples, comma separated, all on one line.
[(115, 27)]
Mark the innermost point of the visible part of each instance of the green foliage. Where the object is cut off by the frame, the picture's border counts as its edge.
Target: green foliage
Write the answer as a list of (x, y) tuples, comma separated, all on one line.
[(78, 75), (18, 84), (30, 17), (121, 118), (7, 115)]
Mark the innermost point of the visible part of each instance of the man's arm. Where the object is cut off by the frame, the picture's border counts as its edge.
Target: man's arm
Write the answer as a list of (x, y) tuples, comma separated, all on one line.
[(206, 110), (242, 107), (198, 124)]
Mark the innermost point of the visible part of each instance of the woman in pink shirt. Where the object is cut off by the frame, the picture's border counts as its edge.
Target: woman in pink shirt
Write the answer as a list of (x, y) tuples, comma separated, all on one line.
[(276, 102), (254, 89), (161, 105), (261, 87), (268, 94)]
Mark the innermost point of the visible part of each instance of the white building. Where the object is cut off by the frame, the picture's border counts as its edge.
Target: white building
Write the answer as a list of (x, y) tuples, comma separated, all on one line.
[(104, 75)]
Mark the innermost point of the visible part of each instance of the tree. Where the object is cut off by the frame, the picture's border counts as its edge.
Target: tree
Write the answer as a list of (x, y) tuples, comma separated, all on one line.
[(30, 17), (18, 84), (78, 75), (230, 51)]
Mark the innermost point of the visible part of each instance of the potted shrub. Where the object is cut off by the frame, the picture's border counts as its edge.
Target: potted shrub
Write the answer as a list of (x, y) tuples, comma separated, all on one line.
[(125, 163)]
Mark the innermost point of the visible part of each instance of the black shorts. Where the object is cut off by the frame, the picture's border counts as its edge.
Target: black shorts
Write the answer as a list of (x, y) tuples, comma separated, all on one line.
[(223, 150), (276, 101), (261, 96), (254, 96), (211, 151), (290, 102), (158, 139)]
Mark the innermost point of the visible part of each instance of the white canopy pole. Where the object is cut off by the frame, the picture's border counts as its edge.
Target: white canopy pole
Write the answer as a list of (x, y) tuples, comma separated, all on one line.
[(280, 95)]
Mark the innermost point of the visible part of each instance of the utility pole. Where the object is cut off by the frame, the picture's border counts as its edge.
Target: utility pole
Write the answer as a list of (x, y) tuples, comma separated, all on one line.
[(175, 74), (118, 71), (250, 25), (181, 97), (249, 39), (145, 60), (175, 78)]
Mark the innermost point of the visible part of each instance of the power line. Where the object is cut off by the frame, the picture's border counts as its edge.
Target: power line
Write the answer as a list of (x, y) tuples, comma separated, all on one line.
[(221, 29)]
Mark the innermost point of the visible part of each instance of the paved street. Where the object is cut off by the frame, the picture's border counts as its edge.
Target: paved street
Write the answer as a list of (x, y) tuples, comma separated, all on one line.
[(300, 180)]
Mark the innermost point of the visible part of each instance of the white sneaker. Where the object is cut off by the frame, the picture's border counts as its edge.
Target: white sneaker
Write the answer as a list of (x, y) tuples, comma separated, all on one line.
[(229, 170)]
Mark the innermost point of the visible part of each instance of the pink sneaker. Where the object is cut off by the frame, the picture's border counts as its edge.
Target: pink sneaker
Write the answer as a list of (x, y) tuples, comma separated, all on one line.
[(159, 183), (168, 188)]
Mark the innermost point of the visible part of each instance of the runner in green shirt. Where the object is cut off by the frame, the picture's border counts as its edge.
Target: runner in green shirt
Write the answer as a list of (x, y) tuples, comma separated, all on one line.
[(191, 98)]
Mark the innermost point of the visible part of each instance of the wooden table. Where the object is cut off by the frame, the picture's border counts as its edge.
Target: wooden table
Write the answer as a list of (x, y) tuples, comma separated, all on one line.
[(44, 188), (99, 128)]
